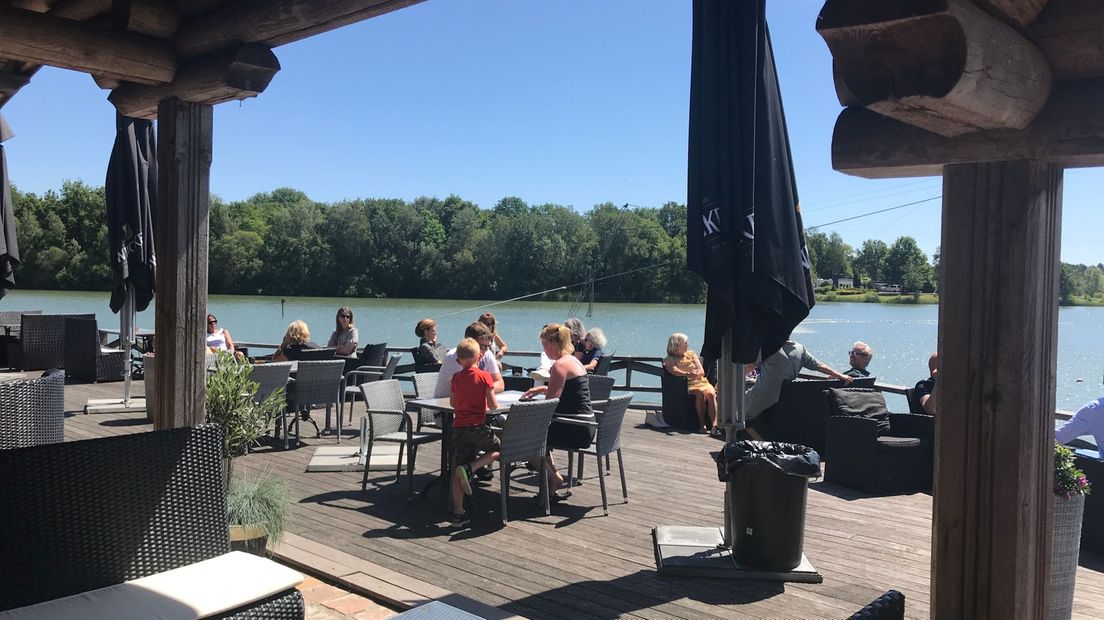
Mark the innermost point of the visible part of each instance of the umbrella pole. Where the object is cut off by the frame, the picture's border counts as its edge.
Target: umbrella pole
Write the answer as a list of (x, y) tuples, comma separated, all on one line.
[(126, 337), (731, 404)]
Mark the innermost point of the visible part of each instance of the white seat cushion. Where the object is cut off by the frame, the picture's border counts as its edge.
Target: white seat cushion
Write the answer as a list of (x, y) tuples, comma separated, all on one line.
[(198, 590)]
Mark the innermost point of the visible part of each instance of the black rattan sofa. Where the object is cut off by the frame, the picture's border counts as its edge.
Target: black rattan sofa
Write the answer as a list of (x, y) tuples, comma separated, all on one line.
[(800, 416), (86, 515)]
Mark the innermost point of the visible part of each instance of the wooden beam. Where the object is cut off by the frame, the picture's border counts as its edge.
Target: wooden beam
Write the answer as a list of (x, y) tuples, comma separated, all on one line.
[(49, 40), (157, 18), (184, 134), (1069, 131), (1071, 34), (945, 66), (275, 22), (11, 81), (998, 334), (80, 10), (1016, 12), (237, 74)]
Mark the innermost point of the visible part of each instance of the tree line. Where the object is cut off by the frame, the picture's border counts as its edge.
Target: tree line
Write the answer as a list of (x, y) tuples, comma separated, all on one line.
[(283, 243), (901, 263)]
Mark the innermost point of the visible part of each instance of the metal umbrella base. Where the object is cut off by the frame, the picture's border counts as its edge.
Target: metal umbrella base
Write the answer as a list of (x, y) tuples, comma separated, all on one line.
[(115, 405), (700, 552)]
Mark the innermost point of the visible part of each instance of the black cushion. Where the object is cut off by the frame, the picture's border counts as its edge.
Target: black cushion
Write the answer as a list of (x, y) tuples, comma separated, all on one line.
[(859, 402), (886, 441)]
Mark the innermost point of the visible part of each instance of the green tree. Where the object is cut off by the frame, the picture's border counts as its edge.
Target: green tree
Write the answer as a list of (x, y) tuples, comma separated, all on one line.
[(870, 260), (903, 255)]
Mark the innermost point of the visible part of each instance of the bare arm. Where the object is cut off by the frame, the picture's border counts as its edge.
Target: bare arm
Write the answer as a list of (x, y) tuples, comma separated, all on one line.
[(229, 340), (499, 382), (831, 372), (492, 403), (501, 344)]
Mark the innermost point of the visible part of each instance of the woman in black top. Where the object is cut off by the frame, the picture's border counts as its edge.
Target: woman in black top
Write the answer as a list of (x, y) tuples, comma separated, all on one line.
[(429, 354), (569, 382), (295, 340)]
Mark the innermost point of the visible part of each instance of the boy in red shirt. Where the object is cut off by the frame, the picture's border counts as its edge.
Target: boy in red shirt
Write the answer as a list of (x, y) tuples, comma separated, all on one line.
[(472, 396)]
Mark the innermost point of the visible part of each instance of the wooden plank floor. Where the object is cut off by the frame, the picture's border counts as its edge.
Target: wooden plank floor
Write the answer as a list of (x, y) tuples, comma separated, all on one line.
[(580, 564)]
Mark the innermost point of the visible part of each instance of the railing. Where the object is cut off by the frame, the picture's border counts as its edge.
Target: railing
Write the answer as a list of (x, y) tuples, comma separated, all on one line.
[(629, 363)]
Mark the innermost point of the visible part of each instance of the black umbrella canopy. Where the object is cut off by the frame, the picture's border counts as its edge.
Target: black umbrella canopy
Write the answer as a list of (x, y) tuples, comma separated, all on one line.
[(745, 235), (131, 188), (9, 246)]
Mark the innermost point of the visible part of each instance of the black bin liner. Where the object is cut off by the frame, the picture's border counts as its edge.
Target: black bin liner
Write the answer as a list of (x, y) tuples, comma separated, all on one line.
[(767, 487)]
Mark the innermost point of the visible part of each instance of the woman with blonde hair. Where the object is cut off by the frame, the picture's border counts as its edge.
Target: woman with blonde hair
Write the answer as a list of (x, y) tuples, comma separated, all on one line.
[(296, 338), (682, 362), (568, 381), (498, 345), (345, 336)]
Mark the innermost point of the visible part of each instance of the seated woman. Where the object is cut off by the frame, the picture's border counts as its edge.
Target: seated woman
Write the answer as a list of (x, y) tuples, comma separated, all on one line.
[(569, 383), (498, 345), (682, 362), (578, 333), (295, 340), (218, 339), (594, 342), (345, 337), (429, 354)]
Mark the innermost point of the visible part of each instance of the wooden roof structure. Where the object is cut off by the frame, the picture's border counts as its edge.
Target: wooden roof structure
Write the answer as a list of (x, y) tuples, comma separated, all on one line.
[(146, 51), (997, 96)]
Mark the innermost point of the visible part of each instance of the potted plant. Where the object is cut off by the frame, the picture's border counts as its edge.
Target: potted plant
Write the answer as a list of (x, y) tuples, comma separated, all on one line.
[(1066, 509), (257, 508)]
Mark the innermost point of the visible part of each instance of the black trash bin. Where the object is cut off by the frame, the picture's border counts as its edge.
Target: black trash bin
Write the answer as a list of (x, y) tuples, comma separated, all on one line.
[(767, 486)]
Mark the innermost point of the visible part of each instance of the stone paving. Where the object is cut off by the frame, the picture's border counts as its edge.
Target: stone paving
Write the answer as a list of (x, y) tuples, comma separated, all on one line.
[(327, 602)]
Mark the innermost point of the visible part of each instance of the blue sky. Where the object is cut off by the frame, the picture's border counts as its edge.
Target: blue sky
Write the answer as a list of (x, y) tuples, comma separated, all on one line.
[(574, 103)]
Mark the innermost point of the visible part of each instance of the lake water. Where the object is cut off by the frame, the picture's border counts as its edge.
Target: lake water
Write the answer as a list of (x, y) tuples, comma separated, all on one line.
[(902, 335)]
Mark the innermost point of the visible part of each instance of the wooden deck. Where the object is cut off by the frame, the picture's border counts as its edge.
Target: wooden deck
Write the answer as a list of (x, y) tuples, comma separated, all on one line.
[(580, 564)]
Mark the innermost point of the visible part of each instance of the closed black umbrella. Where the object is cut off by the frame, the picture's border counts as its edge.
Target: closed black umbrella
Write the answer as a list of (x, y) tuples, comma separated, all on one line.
[(9, 246), (745, 236), (131, 188)]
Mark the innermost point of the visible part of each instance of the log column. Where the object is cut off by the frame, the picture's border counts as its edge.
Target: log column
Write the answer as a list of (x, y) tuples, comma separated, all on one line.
[(998, 332), (184, 133)]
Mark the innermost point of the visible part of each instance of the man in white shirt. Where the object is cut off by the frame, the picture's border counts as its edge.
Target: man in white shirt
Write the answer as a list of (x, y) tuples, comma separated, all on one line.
[(487, 361), (1089, 420)]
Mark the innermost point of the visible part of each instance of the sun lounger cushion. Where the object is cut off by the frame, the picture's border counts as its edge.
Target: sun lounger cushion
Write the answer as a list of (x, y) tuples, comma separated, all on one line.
[(198, 590)]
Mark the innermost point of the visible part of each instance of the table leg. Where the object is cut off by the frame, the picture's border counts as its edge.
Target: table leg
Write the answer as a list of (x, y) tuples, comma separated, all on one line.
[(445, 478)]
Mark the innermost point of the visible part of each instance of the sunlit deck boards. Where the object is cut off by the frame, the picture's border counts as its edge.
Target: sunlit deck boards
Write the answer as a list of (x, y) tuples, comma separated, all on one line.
[(579, 564)]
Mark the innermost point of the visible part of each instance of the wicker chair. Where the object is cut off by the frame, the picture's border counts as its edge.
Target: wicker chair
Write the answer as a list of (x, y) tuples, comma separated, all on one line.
[(601, 387), (353, 379), (678, 403), (424, 385), (41, 341), (800, 416), (603, 366), (387, 421), (9, 322), (32, 412), (316, 383), (147, 503), (607, 441), (859, 455), (525, 438), (889, 606), (85, 356)]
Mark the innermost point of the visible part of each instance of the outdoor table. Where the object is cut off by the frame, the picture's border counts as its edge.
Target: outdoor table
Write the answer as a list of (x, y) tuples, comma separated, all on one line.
[(143, 338), (443, 404)]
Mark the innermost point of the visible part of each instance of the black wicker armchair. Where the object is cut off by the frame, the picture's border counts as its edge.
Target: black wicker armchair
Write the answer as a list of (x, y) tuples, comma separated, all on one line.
[(86, 515), (889, 606), (678, 404), (874, 451), (85, 356), (41, 342), (32, 411), (800, 415)]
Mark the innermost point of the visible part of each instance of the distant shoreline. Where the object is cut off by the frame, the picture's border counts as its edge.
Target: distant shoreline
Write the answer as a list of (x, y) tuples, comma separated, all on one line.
[(872, 297)]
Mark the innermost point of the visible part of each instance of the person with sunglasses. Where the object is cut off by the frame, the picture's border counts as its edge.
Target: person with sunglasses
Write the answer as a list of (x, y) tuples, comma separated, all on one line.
[(345, 337), (218, 339), (486, 362), (860, 356)]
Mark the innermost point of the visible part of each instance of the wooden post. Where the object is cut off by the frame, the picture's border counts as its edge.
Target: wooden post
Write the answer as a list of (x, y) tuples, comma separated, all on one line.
[(184, 133), (998, 332)]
